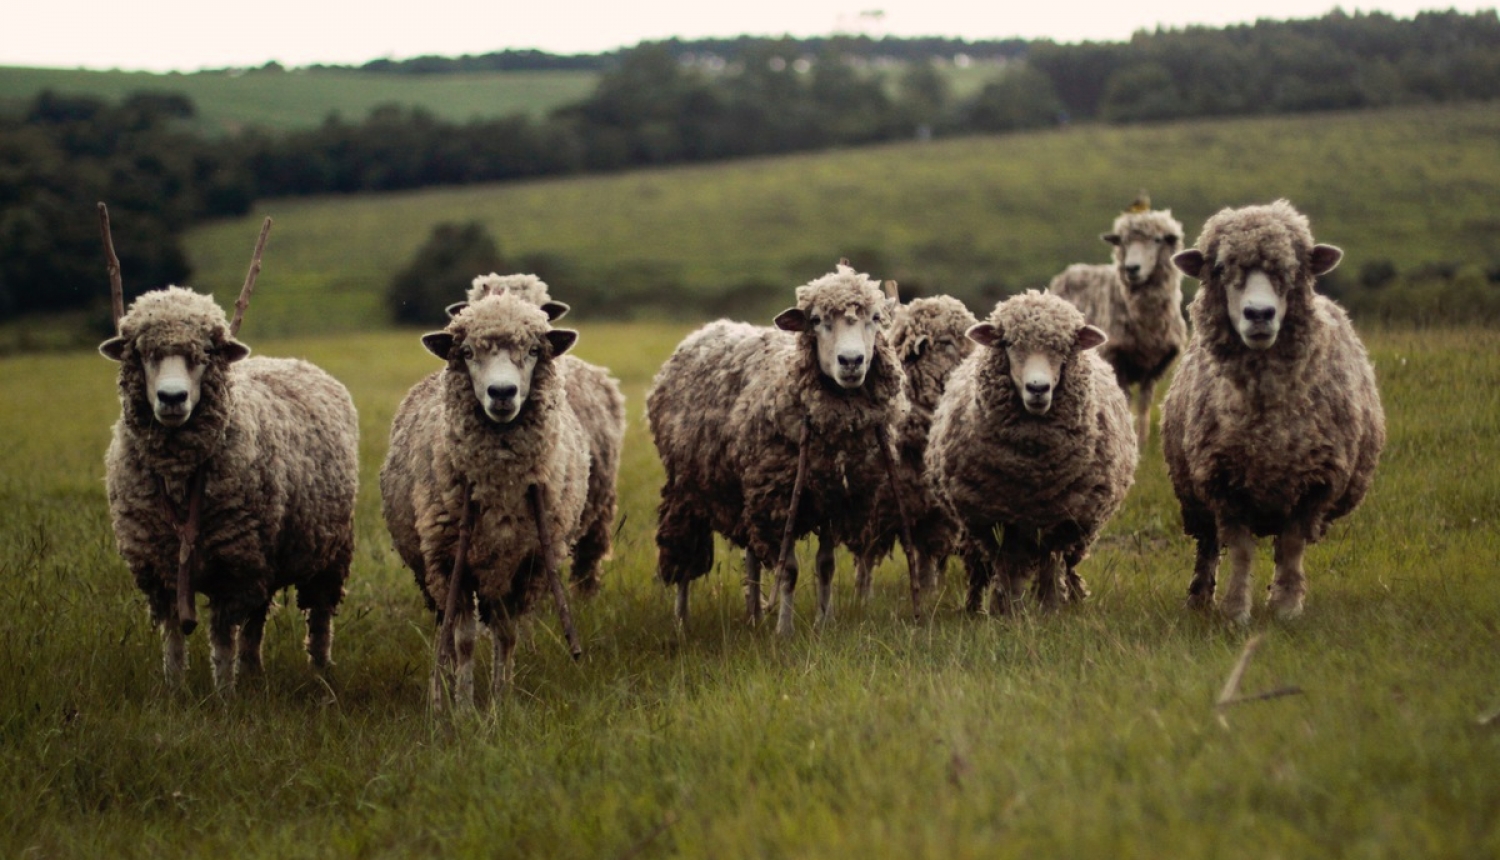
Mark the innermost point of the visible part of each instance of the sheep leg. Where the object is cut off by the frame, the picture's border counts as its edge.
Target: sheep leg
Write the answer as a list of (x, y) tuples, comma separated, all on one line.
[(681, 608), (503, 672), (825, 577), (979, 557), (1205, 571), (221, 636), (549, 568), (864, 568), (913, 570), (752, 587), (1143, 397), (173, 652), (786, 584), (1290, 585), (786, 565), (251, 633), (319, 643), (1235, 603), (446, 648), (464, 633)]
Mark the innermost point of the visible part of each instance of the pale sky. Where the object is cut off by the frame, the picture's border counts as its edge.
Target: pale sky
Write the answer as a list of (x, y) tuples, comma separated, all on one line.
[(187, 35)]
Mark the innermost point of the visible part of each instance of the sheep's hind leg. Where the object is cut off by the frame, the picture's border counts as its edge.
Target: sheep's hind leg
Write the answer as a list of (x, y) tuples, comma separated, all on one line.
[(1290, 585), (825, 566), (1143, 397), (680, 608), (1205, 572), (248, 648), (784, 589), (503, 672), (319, 643), (752, 588), (979, 558), (864, 569), (173, 651), (1235, 602), (221, 636), (464, 630)]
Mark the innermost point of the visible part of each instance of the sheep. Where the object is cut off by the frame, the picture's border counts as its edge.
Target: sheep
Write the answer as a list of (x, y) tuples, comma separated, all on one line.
[(929, 336), (1031, 436), (1136, 301), (596, 399), (742, 415), (1273, 423), (259, 456), (483, 486)]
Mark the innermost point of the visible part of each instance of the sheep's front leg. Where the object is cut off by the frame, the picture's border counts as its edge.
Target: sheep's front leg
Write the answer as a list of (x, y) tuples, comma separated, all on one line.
[(250, 637), (680, 608), (503, 672), (464, 630), (1143, 397), (1205, 571), (784, 588), (825, 577), (173, 651), (319, 642), (864, 569), (752, 588), (979, 554), (1235, 603), (221, 636), (1290, 586)]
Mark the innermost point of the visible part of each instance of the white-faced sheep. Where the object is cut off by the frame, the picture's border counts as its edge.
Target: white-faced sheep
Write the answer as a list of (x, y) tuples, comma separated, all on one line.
[(730, 412), (596, 399), (1032, 437), (1136, 301), (929, 337), (1273, 424), (487, 470), (267, 447)]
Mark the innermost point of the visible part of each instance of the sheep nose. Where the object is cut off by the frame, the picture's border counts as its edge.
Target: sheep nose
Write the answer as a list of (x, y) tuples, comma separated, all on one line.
[(1259, 315), (171, 396), (501, 392), (1038, 388), (1133, 269), (851, 361)]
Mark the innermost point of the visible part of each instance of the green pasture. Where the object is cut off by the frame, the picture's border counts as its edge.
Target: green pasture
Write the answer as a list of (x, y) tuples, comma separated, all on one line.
[(976, 217), (229, 101), (1090, 732)]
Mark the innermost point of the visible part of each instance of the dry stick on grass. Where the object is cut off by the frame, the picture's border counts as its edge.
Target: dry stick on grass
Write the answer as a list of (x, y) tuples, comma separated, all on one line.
[(112, 263), (1230, 696), (554, 581), (243, 301), (912, 570)]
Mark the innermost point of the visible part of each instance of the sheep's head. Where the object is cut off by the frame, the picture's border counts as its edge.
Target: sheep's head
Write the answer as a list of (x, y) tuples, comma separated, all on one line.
[(499, 342), (528, 287), (1143, 241), (843, 313), (1257, 262), (1039, 335), (928, 336), (177, 336)]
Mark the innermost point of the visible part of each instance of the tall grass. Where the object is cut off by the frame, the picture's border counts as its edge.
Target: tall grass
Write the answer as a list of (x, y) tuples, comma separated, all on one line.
[(1089, 732)]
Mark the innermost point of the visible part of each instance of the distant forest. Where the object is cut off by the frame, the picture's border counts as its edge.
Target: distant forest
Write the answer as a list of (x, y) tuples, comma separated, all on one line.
[(673, 102)]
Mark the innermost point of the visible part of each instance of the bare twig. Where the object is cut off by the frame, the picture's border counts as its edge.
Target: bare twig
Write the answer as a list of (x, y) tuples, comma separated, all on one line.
[(1277, 693), (243, 301), (447, 649), (789, 535), (912, 567), (554, 580), (1232, 684), (112, 263)]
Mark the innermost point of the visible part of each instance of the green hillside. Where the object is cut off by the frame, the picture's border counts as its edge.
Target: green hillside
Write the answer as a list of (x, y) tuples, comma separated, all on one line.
[(228, 101), (976, 217)]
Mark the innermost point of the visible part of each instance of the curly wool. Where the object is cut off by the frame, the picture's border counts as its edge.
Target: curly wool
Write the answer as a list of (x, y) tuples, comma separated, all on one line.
[(1268, 438), (527, 287), (1061, 475), (726, 413), (278, 442), (441, 442)]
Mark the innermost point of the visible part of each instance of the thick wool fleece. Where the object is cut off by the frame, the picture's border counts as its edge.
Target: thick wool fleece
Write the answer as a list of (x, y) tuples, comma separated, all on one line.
[(726, 413), (528, 287), (1287, 435), (278, 440), (928, 336), (441, 442), (1144, 322), (1060, 475)]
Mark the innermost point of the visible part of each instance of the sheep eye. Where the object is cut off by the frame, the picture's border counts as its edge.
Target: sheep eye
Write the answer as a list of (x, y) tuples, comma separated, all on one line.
[(466, 352), (534, 351)]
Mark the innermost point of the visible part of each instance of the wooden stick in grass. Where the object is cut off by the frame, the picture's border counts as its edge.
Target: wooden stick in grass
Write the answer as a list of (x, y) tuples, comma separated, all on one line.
[(112, 263), (243, 302), (554, 581)]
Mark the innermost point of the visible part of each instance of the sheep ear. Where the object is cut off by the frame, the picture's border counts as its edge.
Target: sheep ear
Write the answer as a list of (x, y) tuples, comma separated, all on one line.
[(233, 351), (455, 309), (1111, 238), (113, 349), (892, 292), (1324, 259), (1090, 337), (1189, 262), (562, 340), (439, 343), (792, 319), (986, 334), (555, 310)]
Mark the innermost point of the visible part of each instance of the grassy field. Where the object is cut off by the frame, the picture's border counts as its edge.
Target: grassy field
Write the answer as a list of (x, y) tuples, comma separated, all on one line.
[(974, 217), (229, 101), (1087, 733)]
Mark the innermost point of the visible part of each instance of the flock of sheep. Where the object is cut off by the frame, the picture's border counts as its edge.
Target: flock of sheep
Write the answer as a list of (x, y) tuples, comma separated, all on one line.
[(1008, 442)]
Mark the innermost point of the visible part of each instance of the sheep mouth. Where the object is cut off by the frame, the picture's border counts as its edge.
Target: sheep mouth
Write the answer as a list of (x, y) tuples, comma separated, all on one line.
[(1259, 338), (502, 413), (172, 416), (850, 380), (1037, 405)]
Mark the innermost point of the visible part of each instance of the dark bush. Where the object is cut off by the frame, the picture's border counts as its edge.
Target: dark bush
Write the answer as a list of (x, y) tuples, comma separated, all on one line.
[(441, 272)]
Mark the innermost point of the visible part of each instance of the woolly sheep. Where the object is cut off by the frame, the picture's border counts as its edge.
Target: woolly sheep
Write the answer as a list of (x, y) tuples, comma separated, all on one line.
[(727, 411), (596, 399), (1273, 424), (1136, 301), (492, 428), (929, 337), (1032, 436), (272, 442)]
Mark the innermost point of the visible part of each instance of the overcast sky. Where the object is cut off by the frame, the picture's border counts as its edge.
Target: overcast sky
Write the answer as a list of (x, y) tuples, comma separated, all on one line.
[(186, 35)]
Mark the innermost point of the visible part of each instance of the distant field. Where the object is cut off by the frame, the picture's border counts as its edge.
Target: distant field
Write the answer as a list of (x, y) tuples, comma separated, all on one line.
[(1086, 733), (301, 99), (976, 217)]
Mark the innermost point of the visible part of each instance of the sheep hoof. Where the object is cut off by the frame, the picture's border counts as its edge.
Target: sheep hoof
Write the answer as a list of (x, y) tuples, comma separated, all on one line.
[(1240, 617), (1288, 607)]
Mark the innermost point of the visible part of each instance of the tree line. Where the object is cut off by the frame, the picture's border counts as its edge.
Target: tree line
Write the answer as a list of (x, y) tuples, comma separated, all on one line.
[(674, 102)]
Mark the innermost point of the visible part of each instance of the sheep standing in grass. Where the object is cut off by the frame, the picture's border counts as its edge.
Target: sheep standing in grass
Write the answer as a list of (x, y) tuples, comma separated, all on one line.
[(487, 469), (1136, 301), (1273, 424), (596, 399), (730, 411), (267, 446), (929, 337), (1032, 437)]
